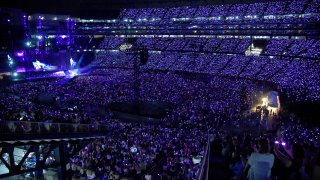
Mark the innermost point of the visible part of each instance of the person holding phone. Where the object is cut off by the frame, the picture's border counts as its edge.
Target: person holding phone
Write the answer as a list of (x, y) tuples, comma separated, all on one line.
[(292, 158)]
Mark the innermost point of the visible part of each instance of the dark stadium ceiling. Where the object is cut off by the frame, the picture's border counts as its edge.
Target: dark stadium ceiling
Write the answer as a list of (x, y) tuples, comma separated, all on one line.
[(103, 8)]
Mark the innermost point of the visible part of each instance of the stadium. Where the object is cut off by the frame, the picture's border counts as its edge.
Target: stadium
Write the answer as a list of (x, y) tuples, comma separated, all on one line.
[(160, 89)]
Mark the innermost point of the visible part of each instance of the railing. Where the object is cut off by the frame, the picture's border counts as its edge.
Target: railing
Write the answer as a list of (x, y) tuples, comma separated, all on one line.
[(26, 127), (204, 169)]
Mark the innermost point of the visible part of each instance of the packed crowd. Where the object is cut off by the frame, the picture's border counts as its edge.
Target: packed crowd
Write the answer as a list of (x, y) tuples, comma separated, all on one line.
[(291, 153), (171, 149), (117, 86), (219, 14), (42, 101), (174, 147), (269, 8), (274, 47), (212, 85), (214, 105), (257, 19), (298, 78)]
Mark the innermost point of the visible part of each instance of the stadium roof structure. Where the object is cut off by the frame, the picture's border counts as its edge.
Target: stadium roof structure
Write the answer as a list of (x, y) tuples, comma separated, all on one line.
[(105, 8)]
